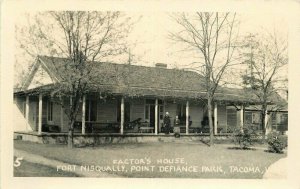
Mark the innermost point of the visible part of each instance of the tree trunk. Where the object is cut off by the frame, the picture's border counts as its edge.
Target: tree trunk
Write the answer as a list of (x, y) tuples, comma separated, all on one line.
[(70, 135), (267, 126), (210, 122), (263, 117)]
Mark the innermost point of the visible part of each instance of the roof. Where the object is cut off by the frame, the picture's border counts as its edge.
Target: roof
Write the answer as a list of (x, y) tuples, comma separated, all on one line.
[(280, 107), (133, 80)]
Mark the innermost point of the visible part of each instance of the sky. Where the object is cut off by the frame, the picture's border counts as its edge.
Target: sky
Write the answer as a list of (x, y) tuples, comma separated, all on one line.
[(153, 45)]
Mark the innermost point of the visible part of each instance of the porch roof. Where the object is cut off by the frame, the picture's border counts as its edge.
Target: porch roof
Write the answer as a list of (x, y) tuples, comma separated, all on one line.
[(135, 81)]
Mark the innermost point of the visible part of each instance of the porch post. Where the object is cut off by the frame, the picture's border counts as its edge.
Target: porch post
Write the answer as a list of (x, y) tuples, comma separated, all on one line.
[(27, 112), (242, 117), (156, 116), (122, 116), (216, 118), (83, 114), (187, 114), (40, 114)]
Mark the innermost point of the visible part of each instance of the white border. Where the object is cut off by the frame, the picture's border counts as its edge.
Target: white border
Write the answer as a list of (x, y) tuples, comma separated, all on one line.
[(8, 10)]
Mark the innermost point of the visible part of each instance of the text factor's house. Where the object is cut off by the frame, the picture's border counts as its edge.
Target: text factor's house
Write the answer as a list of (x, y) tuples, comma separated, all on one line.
[(130, 100)]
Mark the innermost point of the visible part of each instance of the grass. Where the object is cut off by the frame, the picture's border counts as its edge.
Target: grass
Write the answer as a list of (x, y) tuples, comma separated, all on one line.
[(209, 161), (28, 169)]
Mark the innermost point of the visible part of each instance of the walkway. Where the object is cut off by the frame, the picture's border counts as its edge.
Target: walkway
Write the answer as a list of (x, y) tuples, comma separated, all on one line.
[(33, 158)]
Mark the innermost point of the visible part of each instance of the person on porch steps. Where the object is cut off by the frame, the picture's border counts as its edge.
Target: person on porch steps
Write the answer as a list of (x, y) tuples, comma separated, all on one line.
[(167, 123)]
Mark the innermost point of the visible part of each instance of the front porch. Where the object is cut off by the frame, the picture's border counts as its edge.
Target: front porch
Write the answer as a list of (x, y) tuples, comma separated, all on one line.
[(123, 115)]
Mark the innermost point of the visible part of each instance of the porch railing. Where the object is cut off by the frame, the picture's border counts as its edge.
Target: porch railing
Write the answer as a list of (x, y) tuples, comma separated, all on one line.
[(113, 127)]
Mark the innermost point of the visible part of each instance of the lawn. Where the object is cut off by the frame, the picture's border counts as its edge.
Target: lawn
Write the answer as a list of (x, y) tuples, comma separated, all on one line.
[(28, 169), (161, 159)]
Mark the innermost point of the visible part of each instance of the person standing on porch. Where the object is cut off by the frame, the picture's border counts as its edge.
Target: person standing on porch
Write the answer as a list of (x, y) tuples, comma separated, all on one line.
[(167, 123), (177, 121)]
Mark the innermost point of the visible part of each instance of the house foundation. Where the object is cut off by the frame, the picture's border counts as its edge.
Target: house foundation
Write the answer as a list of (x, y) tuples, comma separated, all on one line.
[(94, 139)]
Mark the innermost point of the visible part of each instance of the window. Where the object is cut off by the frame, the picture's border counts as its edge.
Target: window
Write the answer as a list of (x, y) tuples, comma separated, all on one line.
[(274, 118), (149, 108), (279, 121), (283, 119), (147, 111), (252, 117), (231, 117), (248, 117), (180, 112), (50, 111), (91, 110), (126, 111), (256, 118), (161, 112)]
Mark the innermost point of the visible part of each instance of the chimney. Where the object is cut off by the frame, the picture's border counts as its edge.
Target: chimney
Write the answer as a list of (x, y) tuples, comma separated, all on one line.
[(161, 65)]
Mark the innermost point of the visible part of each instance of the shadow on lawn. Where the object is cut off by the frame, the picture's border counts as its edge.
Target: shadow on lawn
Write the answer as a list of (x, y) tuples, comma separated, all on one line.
[(241, 148), (271, 151), (205, 142)]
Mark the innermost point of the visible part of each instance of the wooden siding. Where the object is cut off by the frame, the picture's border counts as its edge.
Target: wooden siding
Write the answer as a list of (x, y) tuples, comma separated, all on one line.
[(137, 109), (238, 118), (33, 111), (107, 111), (231, 118), (19, 102), (44, 111), (40, 78), (222, 117), (33, 118), (20, 122), (65, 127), (79, 116), (196, 115), (55, 114)]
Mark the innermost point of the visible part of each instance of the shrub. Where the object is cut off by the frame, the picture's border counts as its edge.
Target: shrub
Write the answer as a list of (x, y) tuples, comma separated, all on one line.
[(276, 142), (244, 138)]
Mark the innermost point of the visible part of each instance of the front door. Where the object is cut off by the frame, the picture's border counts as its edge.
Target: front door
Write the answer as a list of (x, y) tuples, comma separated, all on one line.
[(150, 112), (160, 115), (91, 110), (152, 116)]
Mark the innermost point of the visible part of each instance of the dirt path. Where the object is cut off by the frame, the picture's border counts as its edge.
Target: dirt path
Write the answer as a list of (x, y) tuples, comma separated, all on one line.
[(33, 158)]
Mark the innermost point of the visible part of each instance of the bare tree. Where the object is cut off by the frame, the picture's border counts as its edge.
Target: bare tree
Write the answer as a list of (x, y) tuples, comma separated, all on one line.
[(266, 58), (82, 38), (212, 36)]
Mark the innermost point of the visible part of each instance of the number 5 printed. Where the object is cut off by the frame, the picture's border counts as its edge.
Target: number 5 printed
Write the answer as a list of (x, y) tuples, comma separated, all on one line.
[(17, 162)]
